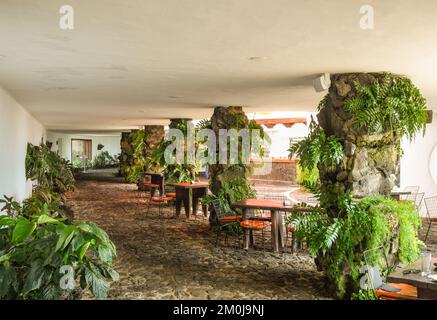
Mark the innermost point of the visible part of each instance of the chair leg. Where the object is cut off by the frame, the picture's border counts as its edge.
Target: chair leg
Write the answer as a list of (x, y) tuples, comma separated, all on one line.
[(429, 228), (219, 230), (293, 243), (148, 208), (262, 239)]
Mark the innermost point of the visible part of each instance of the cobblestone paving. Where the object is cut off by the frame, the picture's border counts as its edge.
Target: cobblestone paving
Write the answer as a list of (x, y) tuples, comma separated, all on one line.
[(175, 258)]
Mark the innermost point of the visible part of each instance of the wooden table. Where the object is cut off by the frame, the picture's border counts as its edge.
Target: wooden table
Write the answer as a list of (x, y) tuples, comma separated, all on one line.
[(275, 207), (397, 194), (426, 288), (157, 178), (183, 190)]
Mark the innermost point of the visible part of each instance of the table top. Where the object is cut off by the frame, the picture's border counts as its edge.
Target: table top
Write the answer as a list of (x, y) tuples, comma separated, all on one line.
[(416, 280), (262, 204), (154, 174), (189, 185), (399, 193)]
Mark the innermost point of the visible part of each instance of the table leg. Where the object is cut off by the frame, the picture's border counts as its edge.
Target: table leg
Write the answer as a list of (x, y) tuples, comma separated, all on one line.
[(426, 293), (280, 230), (179, 200), (187, 204), (246, 231), (198, 194), (275, 230), (152, 192)]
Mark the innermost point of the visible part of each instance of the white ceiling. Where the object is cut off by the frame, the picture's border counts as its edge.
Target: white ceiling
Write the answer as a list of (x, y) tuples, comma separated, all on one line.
[(135, 62)]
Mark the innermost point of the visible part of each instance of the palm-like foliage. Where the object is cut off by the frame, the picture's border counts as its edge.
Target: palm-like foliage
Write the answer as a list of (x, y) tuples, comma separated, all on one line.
[(392, 104)]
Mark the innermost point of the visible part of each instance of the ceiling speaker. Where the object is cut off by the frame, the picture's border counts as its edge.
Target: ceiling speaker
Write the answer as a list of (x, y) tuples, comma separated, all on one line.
[(322, 83)]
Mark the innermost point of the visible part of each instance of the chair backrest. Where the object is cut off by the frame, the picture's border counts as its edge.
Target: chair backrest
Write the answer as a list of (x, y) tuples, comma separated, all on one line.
[(431, 206), (412, 189), (415, 198), (373, 273), (419, 200), (218, 209)]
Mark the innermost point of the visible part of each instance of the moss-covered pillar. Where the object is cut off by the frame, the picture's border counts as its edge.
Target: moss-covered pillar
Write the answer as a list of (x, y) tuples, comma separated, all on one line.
[(223, 176), (371, 163), (174, 123), (154, 135), (126, 159)]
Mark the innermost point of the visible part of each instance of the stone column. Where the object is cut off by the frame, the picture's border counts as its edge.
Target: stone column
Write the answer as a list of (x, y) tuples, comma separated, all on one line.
[(226, 118), (371, 163), (126, 154), (154, 135), (176, 121)]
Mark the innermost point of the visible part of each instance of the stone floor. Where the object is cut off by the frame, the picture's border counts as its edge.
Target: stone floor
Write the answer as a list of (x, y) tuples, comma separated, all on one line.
[(175, 258)]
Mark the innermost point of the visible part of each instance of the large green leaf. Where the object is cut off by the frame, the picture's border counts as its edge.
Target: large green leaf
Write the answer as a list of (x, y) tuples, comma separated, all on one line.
[(34, 277), (8, 279), (98, 285), (66, 233), (105, 253), (23, 230), (44, 218)]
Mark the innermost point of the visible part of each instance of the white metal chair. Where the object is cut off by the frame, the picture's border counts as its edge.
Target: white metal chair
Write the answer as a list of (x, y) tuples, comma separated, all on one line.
[(431, 212)]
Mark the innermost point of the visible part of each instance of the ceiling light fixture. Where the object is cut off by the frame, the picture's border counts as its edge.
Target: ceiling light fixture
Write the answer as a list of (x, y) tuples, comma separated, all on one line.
[(255, 58)]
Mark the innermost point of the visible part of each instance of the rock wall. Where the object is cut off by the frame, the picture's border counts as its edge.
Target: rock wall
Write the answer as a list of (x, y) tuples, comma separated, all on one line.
[(371, 165), (282, 171)]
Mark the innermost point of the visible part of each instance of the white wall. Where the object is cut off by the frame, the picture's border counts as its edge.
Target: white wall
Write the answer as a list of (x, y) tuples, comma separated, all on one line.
[(415, 164), (110, 141), (17, 128)]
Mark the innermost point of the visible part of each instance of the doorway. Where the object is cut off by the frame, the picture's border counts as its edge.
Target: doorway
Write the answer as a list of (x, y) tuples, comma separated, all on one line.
[(81, 152)]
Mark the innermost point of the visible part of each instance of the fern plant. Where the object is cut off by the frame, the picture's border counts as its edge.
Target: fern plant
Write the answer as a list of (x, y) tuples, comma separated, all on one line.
[(392, 104), (318, 148)]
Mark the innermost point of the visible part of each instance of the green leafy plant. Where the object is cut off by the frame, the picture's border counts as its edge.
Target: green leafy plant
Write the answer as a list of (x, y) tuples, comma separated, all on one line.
[(364, 225), (48, 169), (34, 250), (176, 172), (393, 104), (305, 175), (318, 148), (104, 160)]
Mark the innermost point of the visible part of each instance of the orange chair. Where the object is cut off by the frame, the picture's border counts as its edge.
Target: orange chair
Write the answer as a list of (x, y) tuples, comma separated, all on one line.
[(385, 291), (255, 225), (152, 186), (160, 202), (408, 292), (223, 220)]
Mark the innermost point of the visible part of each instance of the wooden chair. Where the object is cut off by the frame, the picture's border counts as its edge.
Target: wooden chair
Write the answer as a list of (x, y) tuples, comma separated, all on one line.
[(384, 290), (431, 212), (223, 220)]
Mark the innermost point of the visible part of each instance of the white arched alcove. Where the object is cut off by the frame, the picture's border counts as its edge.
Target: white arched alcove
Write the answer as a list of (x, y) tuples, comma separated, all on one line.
[(433, 164)]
